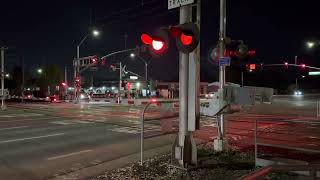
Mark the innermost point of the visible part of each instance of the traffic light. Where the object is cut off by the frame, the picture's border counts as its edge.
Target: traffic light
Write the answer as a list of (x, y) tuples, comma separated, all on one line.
[(77, 82), (157, 44), (94, 60), (103, 61), (251, 67), (187, 36), (64, 84)]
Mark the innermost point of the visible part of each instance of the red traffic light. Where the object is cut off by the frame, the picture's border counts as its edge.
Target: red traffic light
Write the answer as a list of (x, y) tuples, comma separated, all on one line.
[(286, 63), (187, 36), (252, 66), (185, 39), (146, 39), (64, 84), (303, 65), (157, 44)]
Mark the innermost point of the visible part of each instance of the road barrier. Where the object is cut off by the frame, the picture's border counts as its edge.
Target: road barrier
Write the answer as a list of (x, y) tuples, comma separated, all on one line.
[(295, 138), (167, 112)]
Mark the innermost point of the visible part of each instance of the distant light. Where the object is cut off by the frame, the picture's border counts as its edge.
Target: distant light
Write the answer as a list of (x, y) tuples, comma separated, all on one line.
[(286, 63), (138, 84), (134, 77), (314, 73), (132, 55), (91, 88), (153, 100), (303, 65), (40, 71), (103, 87), (113, 88), (310, 44), (95, 33), (7, 75), (70, 88), (28, 89), (303, 76), (82, 96), (64, 84)]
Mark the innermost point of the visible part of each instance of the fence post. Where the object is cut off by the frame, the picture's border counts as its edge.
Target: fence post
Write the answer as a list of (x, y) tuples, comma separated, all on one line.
[(142, 134), (318, 108), (255, 141)]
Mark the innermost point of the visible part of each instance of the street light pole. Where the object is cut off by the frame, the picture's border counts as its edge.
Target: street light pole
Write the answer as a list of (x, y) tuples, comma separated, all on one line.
[(3, 107), (295, 62), (120, 83)]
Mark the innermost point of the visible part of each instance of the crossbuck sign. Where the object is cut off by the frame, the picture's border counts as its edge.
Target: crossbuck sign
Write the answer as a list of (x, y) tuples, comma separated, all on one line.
[(177, 3)]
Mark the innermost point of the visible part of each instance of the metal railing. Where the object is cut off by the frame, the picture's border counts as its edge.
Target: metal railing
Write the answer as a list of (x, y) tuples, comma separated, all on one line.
[(142, 136)]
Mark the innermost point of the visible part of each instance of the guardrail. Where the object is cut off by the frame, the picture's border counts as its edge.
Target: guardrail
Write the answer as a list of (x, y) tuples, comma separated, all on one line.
[(150, 119)]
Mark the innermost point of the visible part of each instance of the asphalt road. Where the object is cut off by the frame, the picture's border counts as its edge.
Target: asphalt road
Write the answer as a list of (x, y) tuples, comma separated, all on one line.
[(40, 141)]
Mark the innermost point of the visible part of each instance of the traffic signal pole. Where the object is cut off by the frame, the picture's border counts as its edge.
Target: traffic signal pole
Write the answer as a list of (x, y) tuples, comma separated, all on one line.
[(219, 143)]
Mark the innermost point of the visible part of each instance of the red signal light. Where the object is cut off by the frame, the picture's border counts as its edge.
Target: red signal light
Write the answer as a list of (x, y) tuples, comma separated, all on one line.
[(252, 66), (64, 84), (286, 63), (303, 65), (157, 45), (153, 100), (146, 39), (185, 39)]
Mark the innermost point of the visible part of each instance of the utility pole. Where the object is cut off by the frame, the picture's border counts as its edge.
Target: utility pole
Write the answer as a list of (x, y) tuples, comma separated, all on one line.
[(242, 78), (66, 79), (3, 106), (198, 58), (296, 62), (120, 83), (125, 40), (219, 144), (22, 84)]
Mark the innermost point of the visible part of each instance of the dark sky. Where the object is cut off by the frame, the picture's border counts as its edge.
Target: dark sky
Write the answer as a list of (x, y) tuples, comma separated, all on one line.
[(48, 31)]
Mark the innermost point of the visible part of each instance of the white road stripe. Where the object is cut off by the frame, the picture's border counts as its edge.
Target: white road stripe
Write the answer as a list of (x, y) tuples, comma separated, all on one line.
[(29, 138), (67, 155), (18, 127), (33, 119)]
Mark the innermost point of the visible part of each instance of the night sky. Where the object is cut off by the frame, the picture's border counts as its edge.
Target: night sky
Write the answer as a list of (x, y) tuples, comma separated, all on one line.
[(47, 32)]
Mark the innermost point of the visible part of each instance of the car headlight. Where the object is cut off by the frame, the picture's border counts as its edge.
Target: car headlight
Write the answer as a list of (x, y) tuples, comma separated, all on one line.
[(211, 95), (82, 96), (206, 95)]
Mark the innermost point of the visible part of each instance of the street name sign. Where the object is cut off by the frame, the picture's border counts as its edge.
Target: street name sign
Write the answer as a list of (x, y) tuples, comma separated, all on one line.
[(224, 61), (178, 3)]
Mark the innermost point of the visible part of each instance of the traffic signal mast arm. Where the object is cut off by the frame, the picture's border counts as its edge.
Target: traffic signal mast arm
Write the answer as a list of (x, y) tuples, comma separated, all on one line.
[(295, 65), (119, 52)]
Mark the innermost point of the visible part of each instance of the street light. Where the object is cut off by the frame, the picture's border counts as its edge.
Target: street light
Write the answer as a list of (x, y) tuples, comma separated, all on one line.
[(310, 44), (132, 55), (40, 71), (95, 33)]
